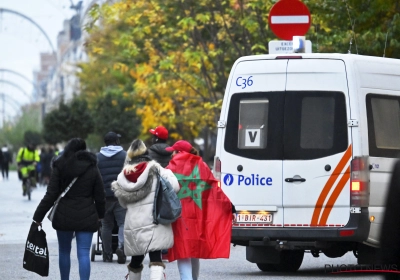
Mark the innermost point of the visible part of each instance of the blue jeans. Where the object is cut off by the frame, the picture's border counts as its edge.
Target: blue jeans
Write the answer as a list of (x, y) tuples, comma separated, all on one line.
[(189, 268), (83, 243), (113, 211)]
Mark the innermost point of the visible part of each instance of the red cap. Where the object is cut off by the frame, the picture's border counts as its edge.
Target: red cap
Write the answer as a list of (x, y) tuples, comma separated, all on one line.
[(160, 131), (180, 146)]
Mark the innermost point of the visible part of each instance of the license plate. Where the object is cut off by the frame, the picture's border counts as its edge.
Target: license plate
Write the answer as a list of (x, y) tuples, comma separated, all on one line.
[(254, 218)]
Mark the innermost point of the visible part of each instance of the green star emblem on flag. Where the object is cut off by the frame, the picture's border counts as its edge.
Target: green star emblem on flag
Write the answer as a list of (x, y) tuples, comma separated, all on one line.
[(185, 181)]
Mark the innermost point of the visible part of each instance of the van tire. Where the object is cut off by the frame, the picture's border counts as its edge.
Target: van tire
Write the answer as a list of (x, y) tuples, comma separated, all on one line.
[(266, 266), (290, 261)]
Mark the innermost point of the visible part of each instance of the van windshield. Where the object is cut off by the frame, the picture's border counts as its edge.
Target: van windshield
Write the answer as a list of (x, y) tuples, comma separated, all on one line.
[(287, 125)]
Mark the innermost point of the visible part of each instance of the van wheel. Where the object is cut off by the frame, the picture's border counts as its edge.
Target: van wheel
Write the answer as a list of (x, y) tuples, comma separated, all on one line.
[(266, 266), (290, 261)]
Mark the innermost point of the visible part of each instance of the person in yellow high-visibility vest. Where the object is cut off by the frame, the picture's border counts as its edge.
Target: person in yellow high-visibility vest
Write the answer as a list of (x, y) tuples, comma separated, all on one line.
[(27, 158)]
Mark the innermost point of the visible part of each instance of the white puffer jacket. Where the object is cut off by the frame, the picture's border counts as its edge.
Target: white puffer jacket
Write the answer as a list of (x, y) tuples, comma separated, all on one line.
[(140, 234)]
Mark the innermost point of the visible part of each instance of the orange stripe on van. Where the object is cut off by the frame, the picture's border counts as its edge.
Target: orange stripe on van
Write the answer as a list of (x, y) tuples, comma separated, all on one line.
[(334, 196), (325, 191)]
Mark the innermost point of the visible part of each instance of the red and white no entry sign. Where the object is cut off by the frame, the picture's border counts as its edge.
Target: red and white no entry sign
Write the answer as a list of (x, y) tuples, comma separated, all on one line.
[(289, 18)]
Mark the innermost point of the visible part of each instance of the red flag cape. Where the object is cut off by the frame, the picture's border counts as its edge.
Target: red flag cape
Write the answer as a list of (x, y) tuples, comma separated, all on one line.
[(204, 230)]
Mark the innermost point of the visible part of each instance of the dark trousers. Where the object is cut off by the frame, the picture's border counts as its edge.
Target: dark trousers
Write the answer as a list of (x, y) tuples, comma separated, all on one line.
[(113, 211), (136, 261), (4, 170)]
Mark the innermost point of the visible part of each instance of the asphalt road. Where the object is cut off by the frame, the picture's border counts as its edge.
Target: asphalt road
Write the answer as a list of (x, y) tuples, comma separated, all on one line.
[(16, 216)]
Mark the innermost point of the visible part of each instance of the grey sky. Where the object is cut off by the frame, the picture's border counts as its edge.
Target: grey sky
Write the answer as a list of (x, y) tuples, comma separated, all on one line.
[(21, 42)]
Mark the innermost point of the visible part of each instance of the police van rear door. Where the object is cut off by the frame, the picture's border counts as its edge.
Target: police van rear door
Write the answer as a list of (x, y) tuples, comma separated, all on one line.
[(251, 163), (317, 150)]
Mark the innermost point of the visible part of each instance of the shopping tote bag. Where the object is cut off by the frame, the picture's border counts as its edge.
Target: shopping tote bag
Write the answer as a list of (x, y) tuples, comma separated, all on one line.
[(36, 256)]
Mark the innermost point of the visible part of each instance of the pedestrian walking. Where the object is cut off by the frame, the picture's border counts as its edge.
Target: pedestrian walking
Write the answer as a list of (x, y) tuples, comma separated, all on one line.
[(111, 160), (80, 210), (45, 160), (157, 149), (135, 190), (39, 168), (204, 229), (1, 158), (5, 162), (158, 153)]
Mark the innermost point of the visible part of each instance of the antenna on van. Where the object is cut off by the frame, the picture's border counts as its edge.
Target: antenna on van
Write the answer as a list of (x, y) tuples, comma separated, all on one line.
[(352, 29), (384, 50), (387, 34)]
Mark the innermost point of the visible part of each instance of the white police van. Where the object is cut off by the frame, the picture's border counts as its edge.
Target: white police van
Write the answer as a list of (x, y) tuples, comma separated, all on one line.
[(305, 147)]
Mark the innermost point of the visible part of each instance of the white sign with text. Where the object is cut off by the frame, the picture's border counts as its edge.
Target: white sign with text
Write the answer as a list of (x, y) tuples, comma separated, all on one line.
[(277, 47)]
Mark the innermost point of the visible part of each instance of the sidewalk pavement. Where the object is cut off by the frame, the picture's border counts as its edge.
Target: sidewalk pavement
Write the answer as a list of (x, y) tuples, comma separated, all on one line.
[(15, 220)]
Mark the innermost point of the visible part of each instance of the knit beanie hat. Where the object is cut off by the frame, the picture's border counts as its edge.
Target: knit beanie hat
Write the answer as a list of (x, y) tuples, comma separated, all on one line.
[(133, 174), (137, 148)]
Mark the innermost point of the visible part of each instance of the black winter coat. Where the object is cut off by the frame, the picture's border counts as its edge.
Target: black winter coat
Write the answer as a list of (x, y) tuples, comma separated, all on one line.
[(6, 158), (84, 204), (109, 168), (158, 153)]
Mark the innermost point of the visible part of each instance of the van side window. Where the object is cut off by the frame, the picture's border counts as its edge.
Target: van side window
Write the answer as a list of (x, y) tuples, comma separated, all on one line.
[(383, 114), (315, 124), (254, 127)]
